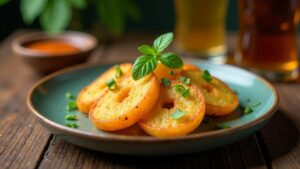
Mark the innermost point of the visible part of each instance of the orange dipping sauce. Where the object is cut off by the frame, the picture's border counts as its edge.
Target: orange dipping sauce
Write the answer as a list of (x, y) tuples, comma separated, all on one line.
[(53, 47)]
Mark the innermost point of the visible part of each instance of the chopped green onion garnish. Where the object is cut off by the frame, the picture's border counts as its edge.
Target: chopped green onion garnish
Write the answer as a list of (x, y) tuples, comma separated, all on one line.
[(206, 76), (165, 82), (119, 71), (185, 80), (111, 84), (71, 106), (74, 125), (256, 104), (69, 95), (185, 92), (248, 110), (223, 126), (177, 114), (71, 117), (171, 72)]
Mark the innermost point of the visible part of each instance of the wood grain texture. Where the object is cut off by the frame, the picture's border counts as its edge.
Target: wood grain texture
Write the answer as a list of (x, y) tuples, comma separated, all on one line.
[(22, 140), (244, 154), (281, 135)]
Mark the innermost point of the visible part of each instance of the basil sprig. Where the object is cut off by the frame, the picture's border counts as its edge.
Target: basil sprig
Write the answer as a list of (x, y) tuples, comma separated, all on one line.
[(147, 62)]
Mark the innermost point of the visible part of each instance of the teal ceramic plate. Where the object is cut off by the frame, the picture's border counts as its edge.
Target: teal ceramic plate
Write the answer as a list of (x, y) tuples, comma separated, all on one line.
[(47, 102)]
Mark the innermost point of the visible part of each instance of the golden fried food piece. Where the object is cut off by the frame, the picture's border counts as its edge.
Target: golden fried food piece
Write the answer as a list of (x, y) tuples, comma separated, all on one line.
[(219, 98), (163, 71), (173, 114), (124, 106), (190, 67), (90, 93)]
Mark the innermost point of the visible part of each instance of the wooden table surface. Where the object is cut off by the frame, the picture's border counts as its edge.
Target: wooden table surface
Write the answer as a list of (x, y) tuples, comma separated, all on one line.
[(26, 144)]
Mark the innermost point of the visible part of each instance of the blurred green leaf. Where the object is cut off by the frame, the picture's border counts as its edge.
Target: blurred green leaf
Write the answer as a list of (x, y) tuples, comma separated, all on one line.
[(3, 2), (56, 16), (30, 9), (132, 10), (111, 14), (80, 4)]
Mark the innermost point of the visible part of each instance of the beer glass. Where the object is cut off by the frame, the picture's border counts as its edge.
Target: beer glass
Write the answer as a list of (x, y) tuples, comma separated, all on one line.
[(267, 38), (200, 28)]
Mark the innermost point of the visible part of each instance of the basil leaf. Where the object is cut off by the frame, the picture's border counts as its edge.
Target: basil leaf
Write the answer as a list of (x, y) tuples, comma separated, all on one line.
[(80, 4), (177, 114), (171, 60), (143, 66), (56, 16), (30, 9), (162, 42), (206, 76), (165, 82), (146, 50)]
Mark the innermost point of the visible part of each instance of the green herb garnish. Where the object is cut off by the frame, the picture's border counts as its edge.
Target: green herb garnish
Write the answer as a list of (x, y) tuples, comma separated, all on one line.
[(185, 92), (206, 76), (74, 125), (165, 82), (223, 126), (71, 117), (177, 114), (185, 80), (248, 110), (71, 106), (147, 62), (119, 71), (111, 84), (256, 104), (69, 95)]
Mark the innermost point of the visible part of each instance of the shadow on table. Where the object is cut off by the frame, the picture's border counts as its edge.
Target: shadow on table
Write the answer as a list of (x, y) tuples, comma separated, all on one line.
[(280, 135)]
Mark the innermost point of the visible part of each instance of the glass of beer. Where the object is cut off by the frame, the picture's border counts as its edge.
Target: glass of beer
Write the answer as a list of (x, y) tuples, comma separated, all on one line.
[(267, 42), (200, 28)]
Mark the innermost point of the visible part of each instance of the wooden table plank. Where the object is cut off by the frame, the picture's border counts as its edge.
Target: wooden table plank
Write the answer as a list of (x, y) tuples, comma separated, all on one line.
[(281, 135), (244, 154), (22, 140)]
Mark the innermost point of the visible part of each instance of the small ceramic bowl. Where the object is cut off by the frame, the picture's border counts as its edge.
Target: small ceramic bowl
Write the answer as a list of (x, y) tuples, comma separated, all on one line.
[(45, 62)]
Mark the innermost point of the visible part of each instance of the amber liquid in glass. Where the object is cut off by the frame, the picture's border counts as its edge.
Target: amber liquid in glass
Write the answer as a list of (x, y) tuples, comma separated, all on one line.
[(267, 36), (200, 27)]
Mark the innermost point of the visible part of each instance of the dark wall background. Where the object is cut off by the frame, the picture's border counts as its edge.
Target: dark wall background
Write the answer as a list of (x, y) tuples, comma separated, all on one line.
[(157, 15)]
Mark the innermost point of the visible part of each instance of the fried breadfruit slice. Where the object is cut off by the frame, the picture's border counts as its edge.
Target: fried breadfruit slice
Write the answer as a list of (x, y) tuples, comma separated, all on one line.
[(219, 98), (90, 93), (124, 106), (162, 120)]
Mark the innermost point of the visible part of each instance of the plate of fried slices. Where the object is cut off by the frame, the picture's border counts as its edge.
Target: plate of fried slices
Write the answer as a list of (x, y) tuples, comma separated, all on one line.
[(157, 105)]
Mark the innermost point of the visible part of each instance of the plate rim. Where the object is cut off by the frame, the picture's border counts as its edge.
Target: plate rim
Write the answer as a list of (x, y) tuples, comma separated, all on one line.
[(113, 137)]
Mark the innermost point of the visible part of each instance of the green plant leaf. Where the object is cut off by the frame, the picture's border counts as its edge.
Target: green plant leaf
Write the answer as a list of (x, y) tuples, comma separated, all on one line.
[(111, 14), (56, 16), (206, 76), (3, 2), (162, 42), (146, 50), (80, 4), (143, 66), (132, 10), (177, 114), (30, 9), (171, 60)]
